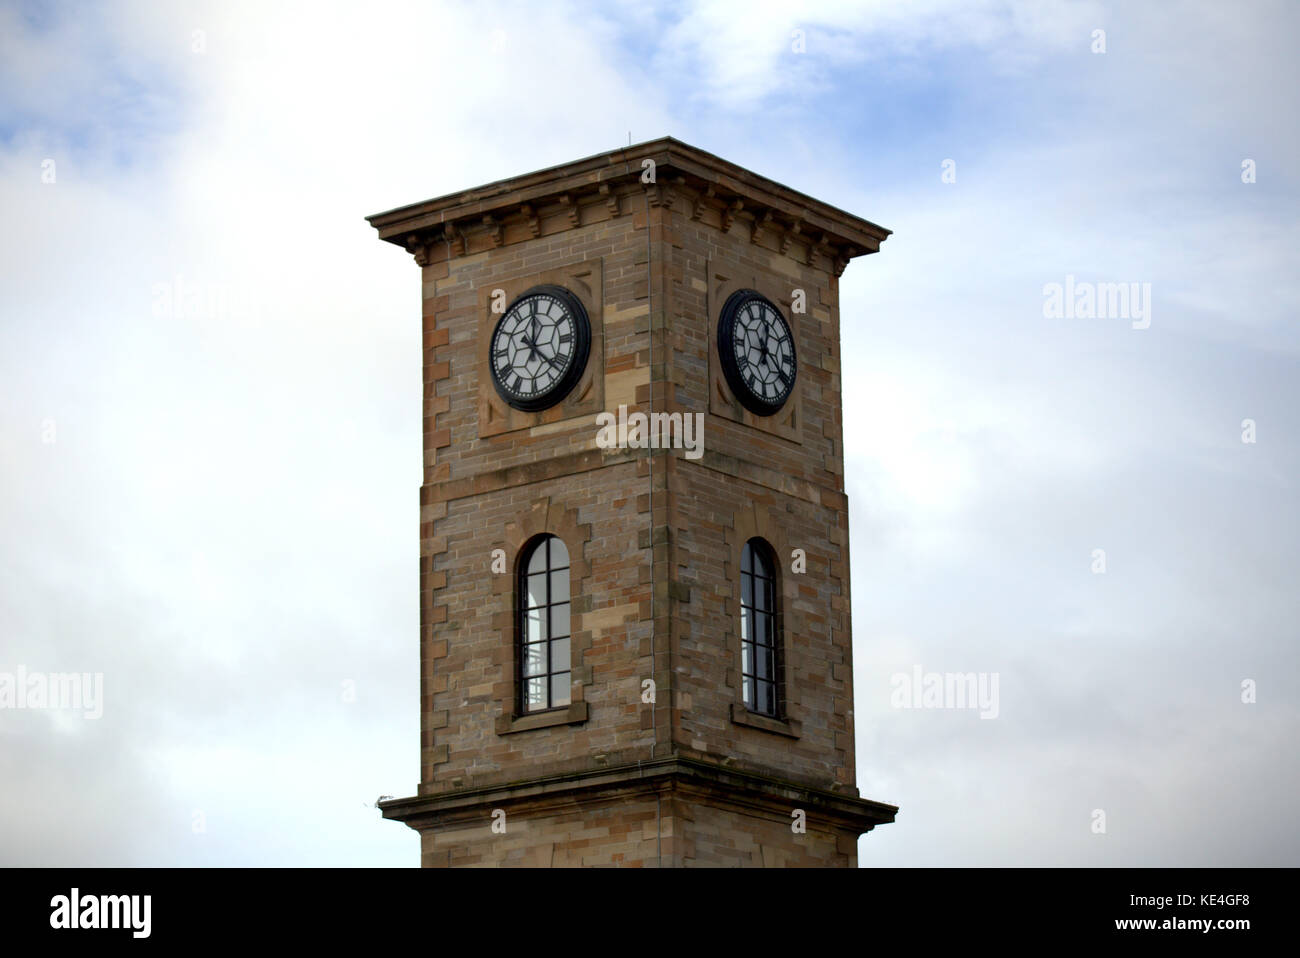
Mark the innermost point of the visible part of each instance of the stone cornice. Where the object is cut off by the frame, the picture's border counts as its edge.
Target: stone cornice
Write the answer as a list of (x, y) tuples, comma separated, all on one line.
[(598, 188), (743, 790)]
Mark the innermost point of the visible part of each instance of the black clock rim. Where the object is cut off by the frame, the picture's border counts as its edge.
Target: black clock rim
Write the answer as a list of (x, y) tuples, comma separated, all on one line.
[(581, 350), (726, 322)]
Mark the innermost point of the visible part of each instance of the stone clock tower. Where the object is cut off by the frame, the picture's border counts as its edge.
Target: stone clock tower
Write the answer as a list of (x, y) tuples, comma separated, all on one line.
[(634, 568)]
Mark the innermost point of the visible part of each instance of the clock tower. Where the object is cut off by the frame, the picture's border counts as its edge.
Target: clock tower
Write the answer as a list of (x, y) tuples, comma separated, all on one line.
[(634, 569)]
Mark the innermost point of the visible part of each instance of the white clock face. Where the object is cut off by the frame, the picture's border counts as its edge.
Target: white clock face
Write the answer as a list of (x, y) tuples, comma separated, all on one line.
[(539, 348), (762, 350)]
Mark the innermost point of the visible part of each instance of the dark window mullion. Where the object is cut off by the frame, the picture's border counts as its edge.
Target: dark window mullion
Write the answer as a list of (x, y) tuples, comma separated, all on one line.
[(522, 615), (546, 612), (776, 660)]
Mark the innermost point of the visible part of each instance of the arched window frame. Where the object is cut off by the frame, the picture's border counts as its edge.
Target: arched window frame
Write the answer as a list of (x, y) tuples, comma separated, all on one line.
[(761, 631), (543, 619)]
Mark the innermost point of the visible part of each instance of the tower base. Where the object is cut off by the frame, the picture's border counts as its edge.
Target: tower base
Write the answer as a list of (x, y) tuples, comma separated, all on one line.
[(668, 813)]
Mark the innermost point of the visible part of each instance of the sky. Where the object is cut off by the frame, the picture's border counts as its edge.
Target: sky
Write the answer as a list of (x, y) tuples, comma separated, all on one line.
[(210, 422)]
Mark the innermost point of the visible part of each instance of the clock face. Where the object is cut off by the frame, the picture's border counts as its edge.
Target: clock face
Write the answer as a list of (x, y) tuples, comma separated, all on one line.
[(539, 348), (756, 351)]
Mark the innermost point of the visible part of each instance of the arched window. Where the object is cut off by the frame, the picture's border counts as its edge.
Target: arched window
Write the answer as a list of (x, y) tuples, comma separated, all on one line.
[(543, 615), (760, 641)]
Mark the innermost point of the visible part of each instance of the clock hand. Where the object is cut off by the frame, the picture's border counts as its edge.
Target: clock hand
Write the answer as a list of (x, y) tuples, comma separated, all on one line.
[(533, 351)]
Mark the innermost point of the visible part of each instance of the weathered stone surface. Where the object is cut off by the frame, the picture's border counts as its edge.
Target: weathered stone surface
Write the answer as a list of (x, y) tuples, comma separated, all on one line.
[(654, 537)]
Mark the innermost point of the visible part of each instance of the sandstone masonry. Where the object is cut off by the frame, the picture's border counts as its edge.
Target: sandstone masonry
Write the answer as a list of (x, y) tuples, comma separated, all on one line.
[(692, 778)]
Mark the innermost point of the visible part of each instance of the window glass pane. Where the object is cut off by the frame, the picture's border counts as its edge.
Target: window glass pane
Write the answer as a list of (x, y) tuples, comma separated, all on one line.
[(536, 590), (537, 561), (534, 694), (560, 655), (560, 585), (535, 658), (534, 625), (758, 627), (545, 649), (560, 689), (560, 620)]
